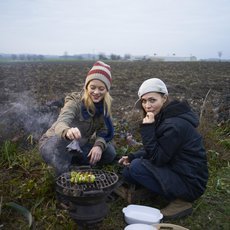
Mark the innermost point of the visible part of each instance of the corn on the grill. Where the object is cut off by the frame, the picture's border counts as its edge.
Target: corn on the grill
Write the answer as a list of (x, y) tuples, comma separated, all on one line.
[(82, 177)]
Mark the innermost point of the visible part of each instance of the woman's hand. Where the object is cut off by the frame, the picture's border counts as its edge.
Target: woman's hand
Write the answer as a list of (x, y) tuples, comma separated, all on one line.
[(124, 161), (149, 118), (73, 133), (95, 155)]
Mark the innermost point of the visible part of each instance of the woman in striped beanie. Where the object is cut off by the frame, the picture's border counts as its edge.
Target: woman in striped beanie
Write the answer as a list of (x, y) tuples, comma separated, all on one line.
[(83, 132)]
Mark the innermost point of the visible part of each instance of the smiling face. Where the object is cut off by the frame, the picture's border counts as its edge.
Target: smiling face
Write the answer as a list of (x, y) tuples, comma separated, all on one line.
[(96, 90), (153, 102)]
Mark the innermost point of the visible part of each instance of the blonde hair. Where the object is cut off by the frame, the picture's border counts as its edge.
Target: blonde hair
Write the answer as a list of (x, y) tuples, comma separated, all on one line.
[(90, 105)]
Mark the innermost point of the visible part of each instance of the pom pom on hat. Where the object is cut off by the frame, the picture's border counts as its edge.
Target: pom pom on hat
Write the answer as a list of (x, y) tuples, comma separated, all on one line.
[(151, 85), (100, 71)]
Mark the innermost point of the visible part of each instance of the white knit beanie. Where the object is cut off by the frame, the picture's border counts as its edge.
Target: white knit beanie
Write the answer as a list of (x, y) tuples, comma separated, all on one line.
[(151, 85), (100, 71)]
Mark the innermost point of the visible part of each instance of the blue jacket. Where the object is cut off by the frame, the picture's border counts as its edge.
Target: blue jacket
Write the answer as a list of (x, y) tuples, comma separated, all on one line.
[(173, 142)]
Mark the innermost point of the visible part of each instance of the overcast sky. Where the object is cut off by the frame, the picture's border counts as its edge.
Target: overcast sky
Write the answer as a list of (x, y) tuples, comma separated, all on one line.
[(138, 27)]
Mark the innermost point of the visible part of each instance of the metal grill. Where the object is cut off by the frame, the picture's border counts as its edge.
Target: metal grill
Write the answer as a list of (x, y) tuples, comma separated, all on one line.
[(104, 181)]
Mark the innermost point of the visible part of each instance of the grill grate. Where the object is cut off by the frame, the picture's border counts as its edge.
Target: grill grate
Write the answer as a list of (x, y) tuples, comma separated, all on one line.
[(104, 181)]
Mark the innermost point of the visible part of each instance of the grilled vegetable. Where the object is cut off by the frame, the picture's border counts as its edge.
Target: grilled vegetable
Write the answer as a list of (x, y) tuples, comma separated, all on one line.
[(82, 177)]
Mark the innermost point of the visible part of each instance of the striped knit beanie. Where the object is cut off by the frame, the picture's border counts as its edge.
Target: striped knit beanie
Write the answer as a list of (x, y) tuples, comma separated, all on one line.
[(100, 71)]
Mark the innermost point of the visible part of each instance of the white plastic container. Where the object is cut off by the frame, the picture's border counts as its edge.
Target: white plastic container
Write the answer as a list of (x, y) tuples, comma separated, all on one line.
[(139, 214), (140, 227)]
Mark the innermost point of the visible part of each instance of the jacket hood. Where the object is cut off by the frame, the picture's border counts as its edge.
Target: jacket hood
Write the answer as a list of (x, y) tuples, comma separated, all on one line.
[(182, 110)]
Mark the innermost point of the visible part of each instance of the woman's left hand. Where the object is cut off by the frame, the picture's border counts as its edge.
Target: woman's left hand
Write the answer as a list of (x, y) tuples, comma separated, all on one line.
[(95, 155), (149, 118)]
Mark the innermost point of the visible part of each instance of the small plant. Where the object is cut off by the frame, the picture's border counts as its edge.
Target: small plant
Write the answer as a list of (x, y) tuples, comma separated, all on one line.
[(30, 139), (8, 153), (223, 179)]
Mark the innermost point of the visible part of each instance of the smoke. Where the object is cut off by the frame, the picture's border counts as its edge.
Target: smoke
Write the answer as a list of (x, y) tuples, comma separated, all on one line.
[(23, 117)]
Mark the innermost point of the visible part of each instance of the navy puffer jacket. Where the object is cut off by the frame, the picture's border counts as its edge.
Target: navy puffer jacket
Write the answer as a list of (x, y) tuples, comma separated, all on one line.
[(173, 142)]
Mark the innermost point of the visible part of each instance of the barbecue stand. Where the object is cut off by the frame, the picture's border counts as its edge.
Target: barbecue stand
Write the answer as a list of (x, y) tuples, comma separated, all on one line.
[(87, 201)]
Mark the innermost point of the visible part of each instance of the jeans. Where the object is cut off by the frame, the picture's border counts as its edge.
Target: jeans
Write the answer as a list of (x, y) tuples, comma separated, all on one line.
[(136, 173), (54, 152), (164, 181)]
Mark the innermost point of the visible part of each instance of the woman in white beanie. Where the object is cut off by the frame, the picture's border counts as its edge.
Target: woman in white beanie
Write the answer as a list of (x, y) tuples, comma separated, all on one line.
[(83, 132), (172, 162)]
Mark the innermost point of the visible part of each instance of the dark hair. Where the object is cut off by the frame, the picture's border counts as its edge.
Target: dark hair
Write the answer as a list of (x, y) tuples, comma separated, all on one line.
[(165, 104)]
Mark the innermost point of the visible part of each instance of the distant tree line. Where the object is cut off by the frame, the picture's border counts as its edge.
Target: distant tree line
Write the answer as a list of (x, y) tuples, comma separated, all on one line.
[(99, 56), (114, 57), (34, 57), (22, 57)]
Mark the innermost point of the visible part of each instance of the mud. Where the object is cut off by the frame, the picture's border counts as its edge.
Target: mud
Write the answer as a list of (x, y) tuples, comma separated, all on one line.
[(31, 94)]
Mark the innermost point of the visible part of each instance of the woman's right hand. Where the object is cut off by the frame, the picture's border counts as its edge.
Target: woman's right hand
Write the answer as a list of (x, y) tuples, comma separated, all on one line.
[(73, 133), (124, 161), (149, 118)]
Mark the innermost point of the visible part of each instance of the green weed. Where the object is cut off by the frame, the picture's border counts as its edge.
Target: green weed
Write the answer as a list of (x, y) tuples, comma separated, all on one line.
[(30, 183), (8, 153)]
